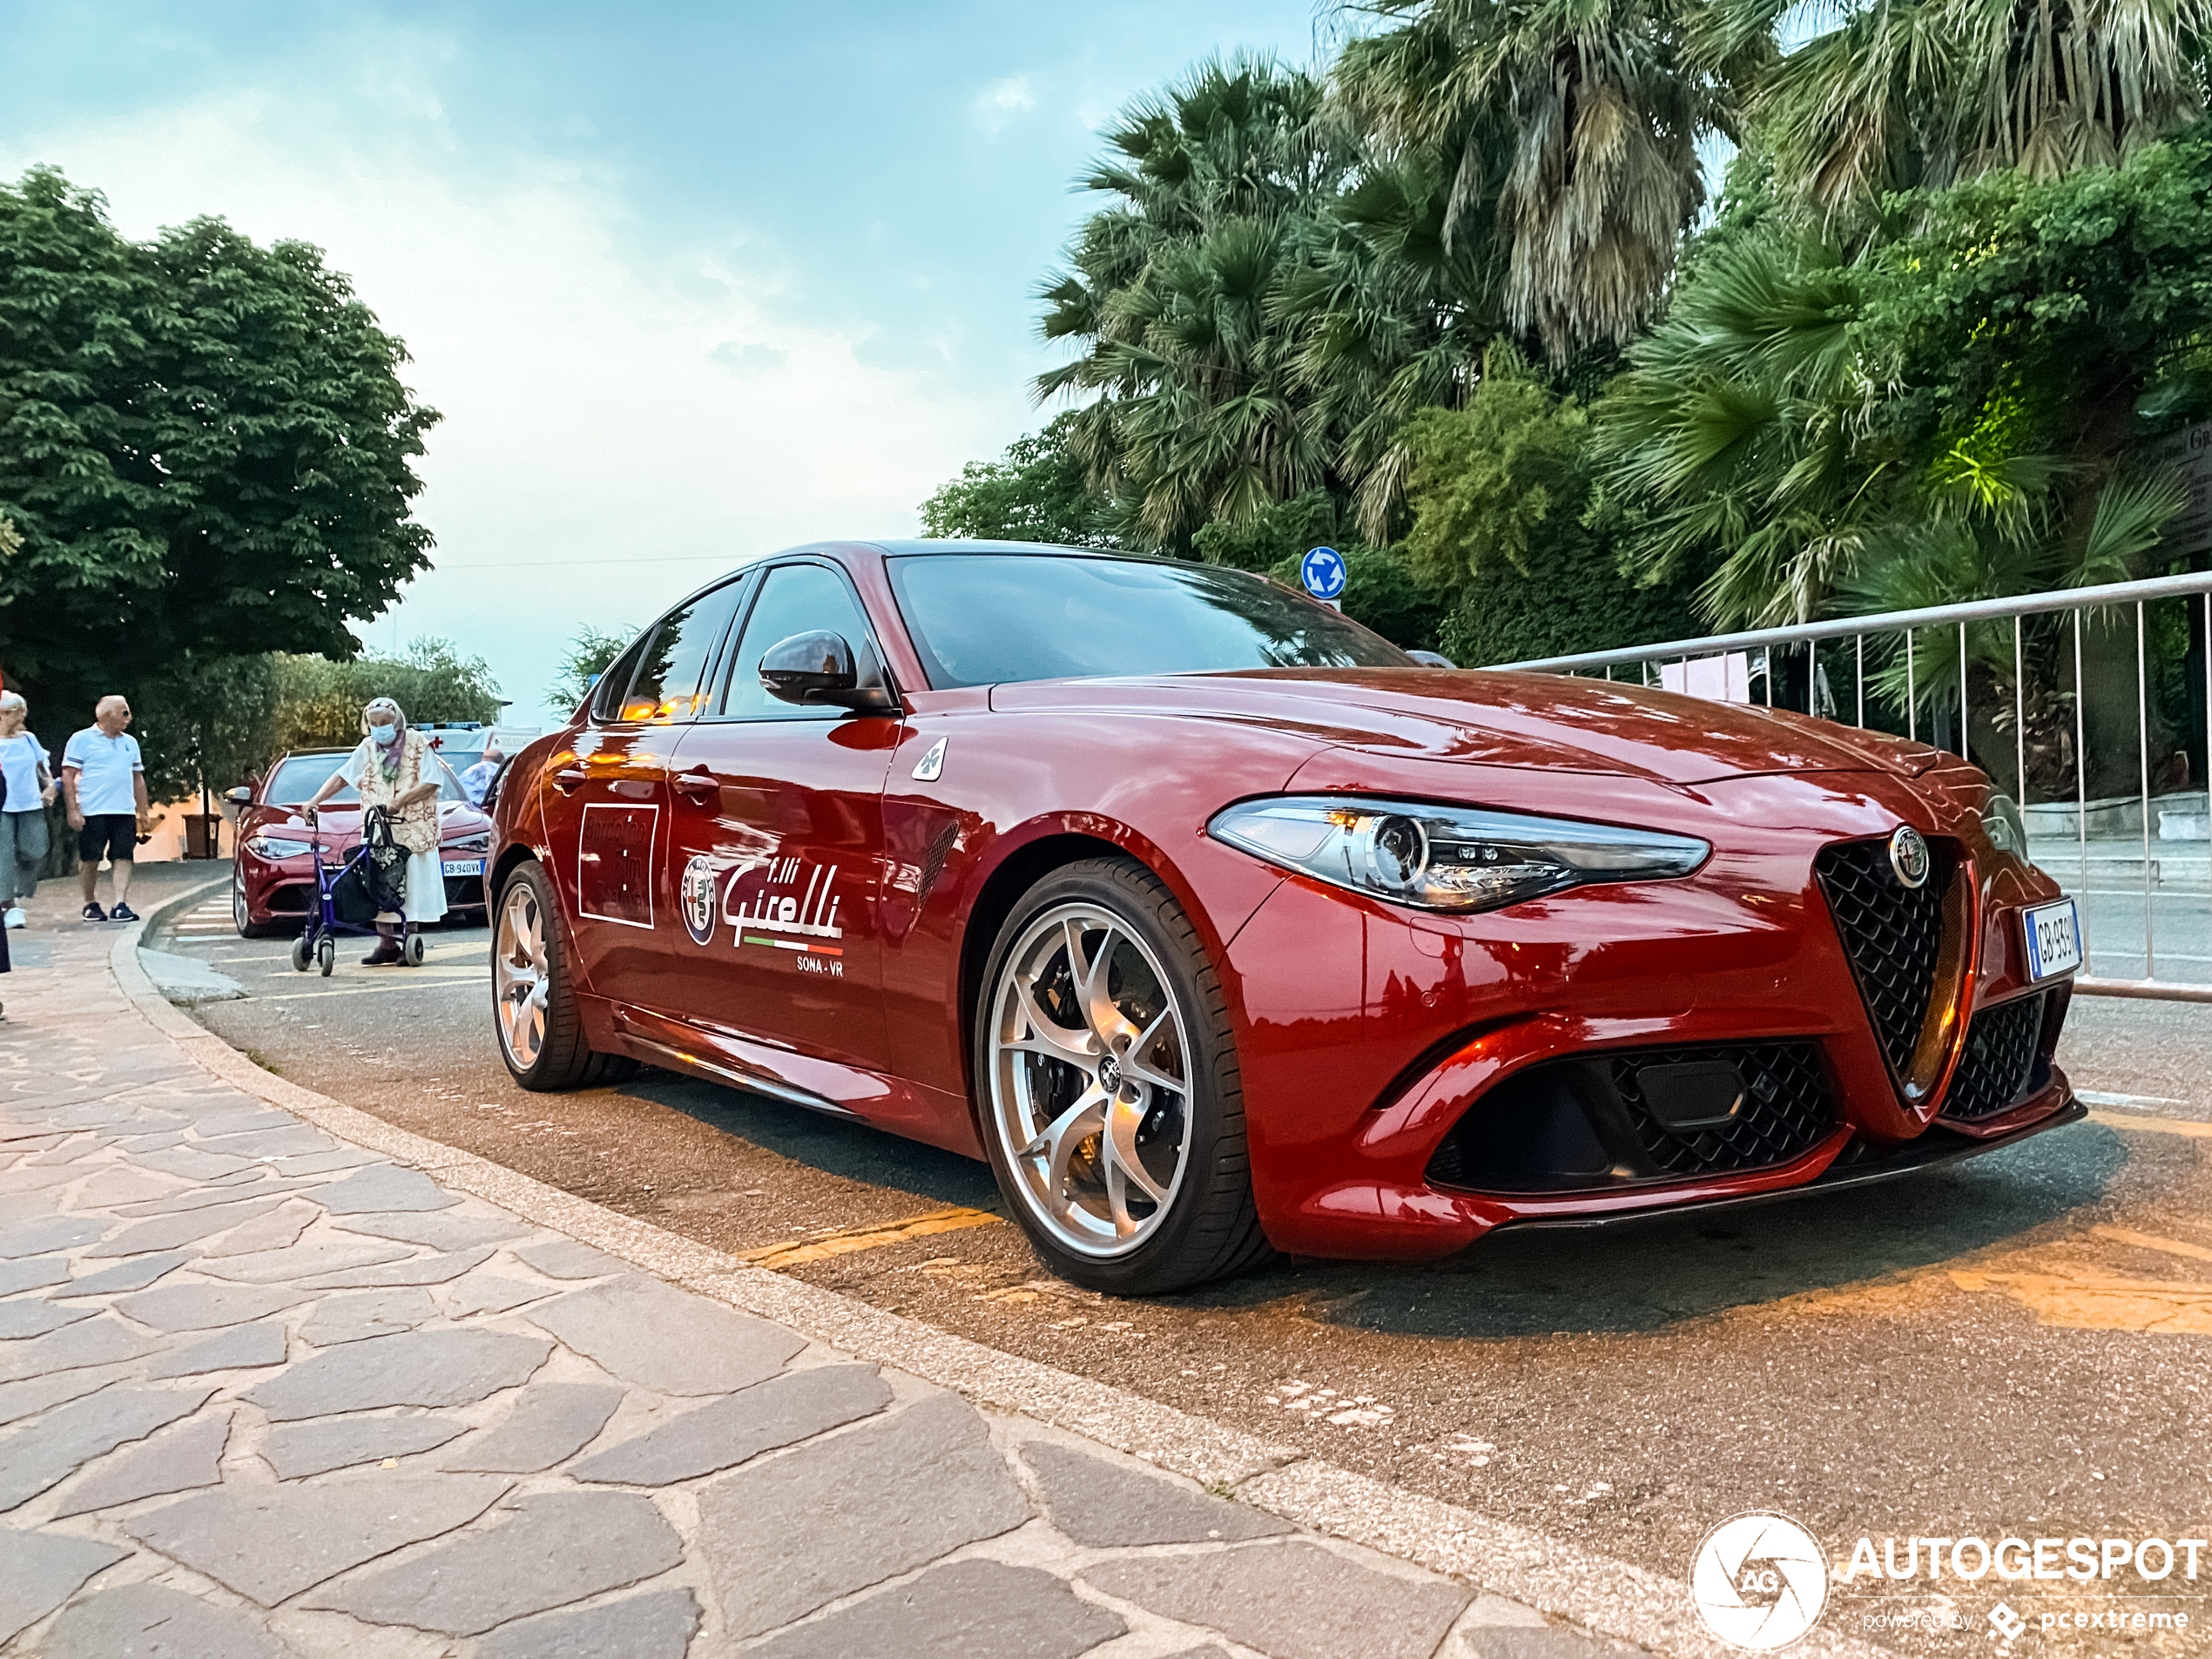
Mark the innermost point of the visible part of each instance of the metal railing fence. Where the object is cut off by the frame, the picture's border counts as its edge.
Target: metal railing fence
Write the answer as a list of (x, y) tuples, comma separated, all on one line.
[(1907, 678)]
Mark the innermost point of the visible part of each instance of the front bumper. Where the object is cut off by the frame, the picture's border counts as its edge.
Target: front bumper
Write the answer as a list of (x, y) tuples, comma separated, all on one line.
[(1371, 1032), (287, 890)]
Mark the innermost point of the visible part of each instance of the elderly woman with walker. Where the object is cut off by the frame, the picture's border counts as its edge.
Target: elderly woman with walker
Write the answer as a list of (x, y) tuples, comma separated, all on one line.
[(392, 769)]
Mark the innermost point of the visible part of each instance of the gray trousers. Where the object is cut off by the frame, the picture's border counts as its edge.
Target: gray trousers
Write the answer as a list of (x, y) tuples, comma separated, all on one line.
[(22, 849)]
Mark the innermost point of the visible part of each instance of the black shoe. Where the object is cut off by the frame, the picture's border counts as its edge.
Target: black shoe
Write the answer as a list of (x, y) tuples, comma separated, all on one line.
[(385, 956), (93, 913), (122, 913)]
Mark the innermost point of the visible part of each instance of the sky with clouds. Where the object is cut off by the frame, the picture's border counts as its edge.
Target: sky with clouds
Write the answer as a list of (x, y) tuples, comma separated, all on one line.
[(687, 282)]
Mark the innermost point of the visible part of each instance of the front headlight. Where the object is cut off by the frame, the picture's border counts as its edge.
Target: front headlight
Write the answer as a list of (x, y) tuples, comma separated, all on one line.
[(1462, 859), (269, 846), (2002, 823)]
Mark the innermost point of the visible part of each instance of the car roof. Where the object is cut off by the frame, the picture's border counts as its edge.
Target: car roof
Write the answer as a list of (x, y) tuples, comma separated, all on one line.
[(909, 548)]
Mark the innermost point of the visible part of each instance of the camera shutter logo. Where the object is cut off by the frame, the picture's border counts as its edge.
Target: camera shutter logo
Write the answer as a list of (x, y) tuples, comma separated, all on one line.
[(695, 899), (1759, 1581)]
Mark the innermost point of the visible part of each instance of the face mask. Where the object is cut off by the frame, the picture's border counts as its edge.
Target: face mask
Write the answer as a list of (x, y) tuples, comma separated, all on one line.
[(382, 733)]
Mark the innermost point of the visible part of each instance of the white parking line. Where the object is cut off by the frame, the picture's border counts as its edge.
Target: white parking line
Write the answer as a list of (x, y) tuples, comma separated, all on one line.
[(2137, 1103)]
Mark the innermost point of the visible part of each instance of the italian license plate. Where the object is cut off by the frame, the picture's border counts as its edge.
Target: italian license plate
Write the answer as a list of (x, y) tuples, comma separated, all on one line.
[(2054, 939), (464, 866)]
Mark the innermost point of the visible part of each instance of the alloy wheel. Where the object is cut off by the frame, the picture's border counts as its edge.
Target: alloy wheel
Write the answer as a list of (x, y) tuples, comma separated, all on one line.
[(1090, 1083), (241, 918), (522, 975)]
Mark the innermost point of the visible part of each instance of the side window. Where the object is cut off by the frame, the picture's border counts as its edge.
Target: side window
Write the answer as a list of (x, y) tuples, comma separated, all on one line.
[(606, 696), (667, 683), (794, 599)]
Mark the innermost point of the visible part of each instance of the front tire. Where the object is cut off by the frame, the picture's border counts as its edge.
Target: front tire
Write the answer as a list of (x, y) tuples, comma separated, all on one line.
[(242, 913), (534, 1004), (1108, 1087)]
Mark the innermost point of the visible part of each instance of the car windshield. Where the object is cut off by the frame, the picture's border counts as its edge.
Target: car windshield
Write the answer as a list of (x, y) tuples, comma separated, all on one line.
[(298, 779), (986, 618)]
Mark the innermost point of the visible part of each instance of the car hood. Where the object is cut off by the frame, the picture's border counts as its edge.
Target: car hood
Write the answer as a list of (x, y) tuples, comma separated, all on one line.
[(1542, 722)]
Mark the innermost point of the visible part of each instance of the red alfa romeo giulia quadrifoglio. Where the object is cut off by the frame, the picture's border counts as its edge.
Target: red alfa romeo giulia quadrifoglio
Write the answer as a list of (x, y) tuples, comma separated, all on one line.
[(1216, 922)]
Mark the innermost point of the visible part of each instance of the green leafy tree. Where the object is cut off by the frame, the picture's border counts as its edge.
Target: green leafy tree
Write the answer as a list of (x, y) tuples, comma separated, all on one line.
[(203, 444), (205, 723), (1510, 531), (589, 651), (1380, 589), (320, 701), (1035, 492)]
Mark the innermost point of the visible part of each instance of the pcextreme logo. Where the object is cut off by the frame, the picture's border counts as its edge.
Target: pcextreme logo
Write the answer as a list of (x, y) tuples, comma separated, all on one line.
[(1759, 1580)]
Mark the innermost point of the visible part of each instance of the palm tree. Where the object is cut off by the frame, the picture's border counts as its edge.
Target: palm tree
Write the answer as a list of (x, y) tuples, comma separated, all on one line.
[(1199, 412), (1571, 130), (1902, 93), (1740, 428), (1393, 318)]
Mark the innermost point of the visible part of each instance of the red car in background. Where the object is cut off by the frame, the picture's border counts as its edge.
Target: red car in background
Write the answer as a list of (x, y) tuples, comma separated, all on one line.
[(1217, 923), (272, 877)]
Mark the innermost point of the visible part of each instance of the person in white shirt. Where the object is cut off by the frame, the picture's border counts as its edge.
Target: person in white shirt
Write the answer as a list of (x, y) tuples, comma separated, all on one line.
[(104, 782), (26, 788)]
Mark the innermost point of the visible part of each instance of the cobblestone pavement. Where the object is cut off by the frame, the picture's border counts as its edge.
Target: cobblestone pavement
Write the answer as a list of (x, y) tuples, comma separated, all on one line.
[(264, 1393)]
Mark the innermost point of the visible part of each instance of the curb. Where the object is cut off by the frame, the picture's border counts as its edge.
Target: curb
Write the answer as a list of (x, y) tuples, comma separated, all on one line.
[(1601, 1593)]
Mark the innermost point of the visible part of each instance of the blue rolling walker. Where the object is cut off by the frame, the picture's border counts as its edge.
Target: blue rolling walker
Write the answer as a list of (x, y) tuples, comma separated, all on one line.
[(317, 944)]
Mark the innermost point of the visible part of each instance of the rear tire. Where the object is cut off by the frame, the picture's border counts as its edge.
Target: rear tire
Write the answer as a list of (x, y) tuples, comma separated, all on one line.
[(1108, 1089), (534, 1002), (300, 954)]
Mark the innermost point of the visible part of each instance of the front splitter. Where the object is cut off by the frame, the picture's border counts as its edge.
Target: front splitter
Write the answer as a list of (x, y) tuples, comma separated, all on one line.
[(1912, 1158)]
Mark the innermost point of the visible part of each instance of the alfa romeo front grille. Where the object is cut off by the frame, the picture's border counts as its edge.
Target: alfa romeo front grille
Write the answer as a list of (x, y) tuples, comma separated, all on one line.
[(1785, 1109), (1894, 935), (1998, 1064)]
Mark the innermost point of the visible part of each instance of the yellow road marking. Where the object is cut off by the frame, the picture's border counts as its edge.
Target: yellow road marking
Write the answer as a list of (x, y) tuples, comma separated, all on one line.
[(2151, 1241), (844, 1244), (2156, 1125), (2089, 1302)]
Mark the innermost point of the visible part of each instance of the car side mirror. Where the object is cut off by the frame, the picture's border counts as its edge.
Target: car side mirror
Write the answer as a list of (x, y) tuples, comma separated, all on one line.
[(819, 668), (1432, 659), (241, 796)]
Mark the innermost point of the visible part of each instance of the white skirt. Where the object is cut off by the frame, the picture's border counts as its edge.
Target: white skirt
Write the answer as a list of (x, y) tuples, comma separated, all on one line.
[(426, 888)]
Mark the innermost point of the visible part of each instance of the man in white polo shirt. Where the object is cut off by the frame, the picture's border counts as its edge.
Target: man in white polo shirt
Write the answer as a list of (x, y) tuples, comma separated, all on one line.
[(104, 782)]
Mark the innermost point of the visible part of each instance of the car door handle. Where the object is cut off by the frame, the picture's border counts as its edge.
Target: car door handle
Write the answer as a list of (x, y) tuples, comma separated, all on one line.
[(568, 780), (698, 783)]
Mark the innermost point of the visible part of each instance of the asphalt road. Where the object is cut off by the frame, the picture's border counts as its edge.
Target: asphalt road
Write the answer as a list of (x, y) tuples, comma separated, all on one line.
[(2017, 1346)]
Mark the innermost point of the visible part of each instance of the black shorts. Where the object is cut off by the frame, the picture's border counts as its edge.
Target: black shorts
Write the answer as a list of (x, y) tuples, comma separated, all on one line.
[(108, 835)]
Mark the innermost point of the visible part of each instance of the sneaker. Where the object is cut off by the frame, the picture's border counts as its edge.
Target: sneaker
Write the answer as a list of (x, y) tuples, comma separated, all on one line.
[(122, 913), (93, 913), (15, 916)]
